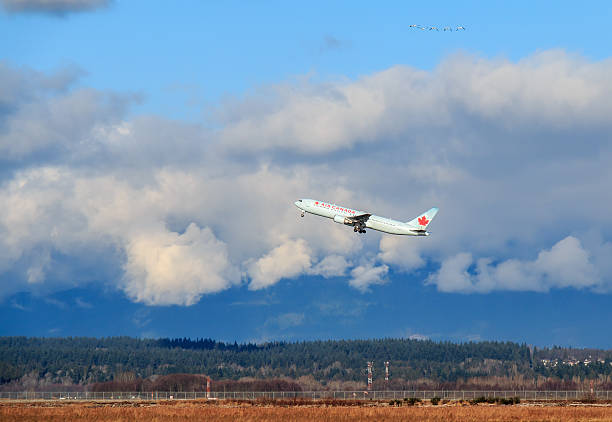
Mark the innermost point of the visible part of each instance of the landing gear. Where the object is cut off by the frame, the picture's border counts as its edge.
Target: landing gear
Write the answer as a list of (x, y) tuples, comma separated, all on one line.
[(359, 228), (302, 214)]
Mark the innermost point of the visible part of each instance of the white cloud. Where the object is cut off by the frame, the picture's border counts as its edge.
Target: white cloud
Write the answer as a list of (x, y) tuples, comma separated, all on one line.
[(316, 120), (600, 252), (166, 268), (402, 252), (36, 272), (363, 276), (566, 264), (515, 154), (36, 217), (331, 266), (288, 260), (55, 122), (543, 87), (59, 209), (551, 89)]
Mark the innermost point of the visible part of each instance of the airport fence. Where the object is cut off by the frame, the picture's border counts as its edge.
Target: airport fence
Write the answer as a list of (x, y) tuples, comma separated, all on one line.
[(524, 395)]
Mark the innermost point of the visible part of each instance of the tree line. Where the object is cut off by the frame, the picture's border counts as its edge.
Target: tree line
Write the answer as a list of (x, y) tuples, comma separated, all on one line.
[(40, 362)]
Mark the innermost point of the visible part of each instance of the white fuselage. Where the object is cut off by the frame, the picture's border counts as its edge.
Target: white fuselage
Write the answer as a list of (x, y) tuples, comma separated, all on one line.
[(339, 213)]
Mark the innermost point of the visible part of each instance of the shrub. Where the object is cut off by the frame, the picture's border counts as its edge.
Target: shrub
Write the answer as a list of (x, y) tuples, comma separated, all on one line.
[(435, 400), (498, 400), (481, 399), (412, 401), (588, 398)]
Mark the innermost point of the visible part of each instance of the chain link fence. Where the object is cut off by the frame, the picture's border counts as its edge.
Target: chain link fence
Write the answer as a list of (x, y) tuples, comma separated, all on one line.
[(524, 395)]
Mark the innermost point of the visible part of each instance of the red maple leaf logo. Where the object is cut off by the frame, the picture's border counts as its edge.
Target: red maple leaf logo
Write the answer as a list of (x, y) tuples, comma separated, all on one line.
[(423, 221), (317, 203)]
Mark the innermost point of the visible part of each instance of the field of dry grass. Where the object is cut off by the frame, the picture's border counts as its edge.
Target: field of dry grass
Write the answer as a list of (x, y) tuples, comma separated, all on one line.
[(260, 412)]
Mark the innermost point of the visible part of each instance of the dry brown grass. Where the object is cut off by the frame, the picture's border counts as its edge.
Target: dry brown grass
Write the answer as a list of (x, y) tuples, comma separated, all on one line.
[(258, 412)]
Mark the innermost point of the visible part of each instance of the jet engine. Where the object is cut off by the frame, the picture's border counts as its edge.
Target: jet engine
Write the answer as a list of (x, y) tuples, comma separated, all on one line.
[(340, 219)]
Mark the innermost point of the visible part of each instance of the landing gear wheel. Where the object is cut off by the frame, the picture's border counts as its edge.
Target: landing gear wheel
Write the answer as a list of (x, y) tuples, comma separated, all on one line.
[(302, 215), (355, 229)]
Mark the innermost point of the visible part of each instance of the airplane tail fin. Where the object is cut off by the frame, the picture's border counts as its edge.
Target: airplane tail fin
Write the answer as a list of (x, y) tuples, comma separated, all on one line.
[(423, 220)]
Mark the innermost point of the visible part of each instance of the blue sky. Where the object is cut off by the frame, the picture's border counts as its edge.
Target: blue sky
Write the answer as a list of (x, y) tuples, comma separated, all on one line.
[(203, 51), (150, 156)]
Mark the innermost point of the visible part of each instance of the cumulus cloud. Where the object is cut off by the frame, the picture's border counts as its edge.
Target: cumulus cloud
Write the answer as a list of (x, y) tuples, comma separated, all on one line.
[(401, 252), (53, 125), (288, 260), (551, 89), (41, 116), (363, 276), (53, 7), (566, 264), (169, 258), (331, 266), (515, 154), (34, 217), (351, 114), (169, 268), (52, 209)]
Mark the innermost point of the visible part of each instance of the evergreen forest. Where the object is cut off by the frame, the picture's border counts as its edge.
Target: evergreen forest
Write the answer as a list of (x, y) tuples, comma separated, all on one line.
[(80, 362)]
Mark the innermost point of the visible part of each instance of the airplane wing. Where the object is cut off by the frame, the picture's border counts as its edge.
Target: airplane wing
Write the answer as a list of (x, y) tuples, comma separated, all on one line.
[(361, 218)]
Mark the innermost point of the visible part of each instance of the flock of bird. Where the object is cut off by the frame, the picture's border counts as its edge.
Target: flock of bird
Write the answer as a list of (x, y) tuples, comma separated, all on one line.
[(435, 28)]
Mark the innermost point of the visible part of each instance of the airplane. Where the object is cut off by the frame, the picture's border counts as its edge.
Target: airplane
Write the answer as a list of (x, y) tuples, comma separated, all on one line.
[(361, 220)]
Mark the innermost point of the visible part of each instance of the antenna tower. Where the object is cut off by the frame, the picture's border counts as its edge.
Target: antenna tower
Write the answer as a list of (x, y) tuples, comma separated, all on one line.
[(370, 366), (386, 372)]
